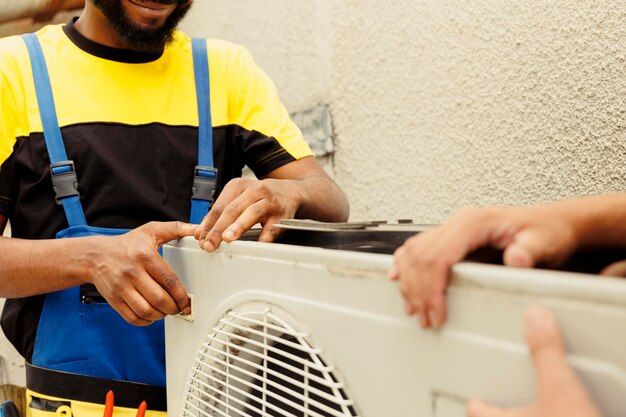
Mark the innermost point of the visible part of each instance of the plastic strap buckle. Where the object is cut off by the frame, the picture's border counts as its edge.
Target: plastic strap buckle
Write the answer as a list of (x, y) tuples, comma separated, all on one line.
[(64, 180), (204, 183)]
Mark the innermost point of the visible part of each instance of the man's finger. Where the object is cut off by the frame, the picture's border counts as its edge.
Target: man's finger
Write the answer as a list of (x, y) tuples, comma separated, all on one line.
[(415, 265), (127, 313), (528, 249), (437, 312), (547, 350), (393, 273), (269, 232), (419, 297), (142, 308), (558, 386), (616, 269), (519, 256), (157, 296), (209, 220), (246, 202), (480, 409), (163, 274), (253, 214), (163, 232), (404, 290), (438, 276), (438, 251), (412, 284), (232, 190)]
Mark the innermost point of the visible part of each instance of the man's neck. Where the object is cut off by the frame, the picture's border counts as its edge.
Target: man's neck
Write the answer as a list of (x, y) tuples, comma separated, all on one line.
[(93, 25)]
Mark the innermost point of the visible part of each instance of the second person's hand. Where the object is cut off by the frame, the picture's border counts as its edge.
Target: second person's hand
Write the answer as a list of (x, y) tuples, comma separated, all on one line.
[(529, 236), (559, 391)]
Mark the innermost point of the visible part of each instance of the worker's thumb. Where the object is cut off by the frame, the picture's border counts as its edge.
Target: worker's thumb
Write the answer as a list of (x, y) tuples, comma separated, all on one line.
[(519, 256), (164, 232), (528, 249), (481, 409), (547, 350)]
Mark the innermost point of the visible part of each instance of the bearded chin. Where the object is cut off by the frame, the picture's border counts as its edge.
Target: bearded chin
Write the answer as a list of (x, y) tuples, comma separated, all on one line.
[(136, 37)]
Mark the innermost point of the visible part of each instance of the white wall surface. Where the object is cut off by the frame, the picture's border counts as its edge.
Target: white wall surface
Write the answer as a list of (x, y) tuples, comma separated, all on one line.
[(440, 104)]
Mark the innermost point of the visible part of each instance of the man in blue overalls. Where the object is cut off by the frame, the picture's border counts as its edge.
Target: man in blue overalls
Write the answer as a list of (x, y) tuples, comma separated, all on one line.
[(113, 141)]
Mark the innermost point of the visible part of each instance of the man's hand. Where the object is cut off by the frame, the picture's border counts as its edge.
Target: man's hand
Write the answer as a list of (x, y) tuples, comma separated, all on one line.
[(298, 189), (560, 393), (245, 202), (528, 235), (130, 274)]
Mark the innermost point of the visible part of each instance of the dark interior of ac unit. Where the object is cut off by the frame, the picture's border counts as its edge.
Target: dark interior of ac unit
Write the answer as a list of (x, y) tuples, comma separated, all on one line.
[(385, 237)]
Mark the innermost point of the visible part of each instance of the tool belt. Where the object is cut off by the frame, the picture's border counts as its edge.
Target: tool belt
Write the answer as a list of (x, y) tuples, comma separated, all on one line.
[(93, 390)]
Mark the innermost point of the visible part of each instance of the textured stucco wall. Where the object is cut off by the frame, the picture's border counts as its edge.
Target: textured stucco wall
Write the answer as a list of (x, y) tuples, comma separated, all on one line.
[(439, 104)]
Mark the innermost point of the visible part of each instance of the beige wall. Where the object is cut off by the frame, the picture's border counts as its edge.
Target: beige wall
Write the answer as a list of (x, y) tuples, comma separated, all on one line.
[(439, 104)]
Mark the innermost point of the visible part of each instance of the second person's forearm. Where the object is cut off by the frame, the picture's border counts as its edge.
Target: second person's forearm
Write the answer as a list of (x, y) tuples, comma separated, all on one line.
[(598, 221)]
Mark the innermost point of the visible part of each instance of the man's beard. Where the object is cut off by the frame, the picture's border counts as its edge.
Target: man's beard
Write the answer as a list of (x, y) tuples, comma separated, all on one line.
[(137, 37)]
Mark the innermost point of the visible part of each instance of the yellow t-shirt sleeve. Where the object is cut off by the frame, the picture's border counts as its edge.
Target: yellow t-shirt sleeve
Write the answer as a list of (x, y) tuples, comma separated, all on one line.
[(8, 119), (256, 105)]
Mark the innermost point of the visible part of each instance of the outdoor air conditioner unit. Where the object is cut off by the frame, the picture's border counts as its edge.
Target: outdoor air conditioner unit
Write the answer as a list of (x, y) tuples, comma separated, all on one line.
[(286, 330)]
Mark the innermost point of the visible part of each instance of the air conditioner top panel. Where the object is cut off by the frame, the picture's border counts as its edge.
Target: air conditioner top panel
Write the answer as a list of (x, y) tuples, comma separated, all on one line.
[(520, 280)]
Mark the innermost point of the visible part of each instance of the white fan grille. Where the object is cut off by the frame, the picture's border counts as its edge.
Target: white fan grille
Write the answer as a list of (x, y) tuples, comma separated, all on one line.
[(254, 364)]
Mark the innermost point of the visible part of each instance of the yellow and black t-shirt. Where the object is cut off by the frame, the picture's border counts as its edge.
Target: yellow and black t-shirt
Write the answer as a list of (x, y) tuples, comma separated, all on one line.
[(130, 124)]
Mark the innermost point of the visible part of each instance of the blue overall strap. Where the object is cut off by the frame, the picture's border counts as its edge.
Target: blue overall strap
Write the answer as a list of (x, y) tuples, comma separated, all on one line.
[(205, 175), (64, 180)]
